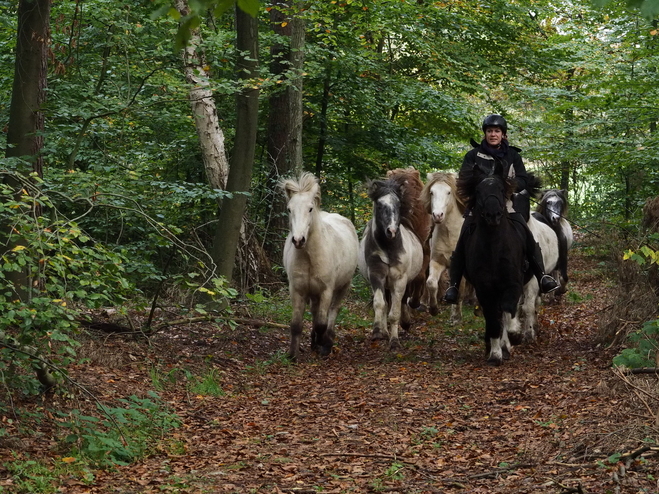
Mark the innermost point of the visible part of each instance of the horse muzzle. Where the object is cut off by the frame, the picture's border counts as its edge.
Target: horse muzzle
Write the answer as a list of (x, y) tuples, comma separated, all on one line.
[(299, 243), (493, 219), (438, 218)]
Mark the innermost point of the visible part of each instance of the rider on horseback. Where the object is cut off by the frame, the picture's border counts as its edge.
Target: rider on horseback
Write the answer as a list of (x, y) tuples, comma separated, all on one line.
[(495, 148)]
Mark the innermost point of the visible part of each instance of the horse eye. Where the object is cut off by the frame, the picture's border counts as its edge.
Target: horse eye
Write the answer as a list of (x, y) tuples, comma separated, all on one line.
[(310, 209)]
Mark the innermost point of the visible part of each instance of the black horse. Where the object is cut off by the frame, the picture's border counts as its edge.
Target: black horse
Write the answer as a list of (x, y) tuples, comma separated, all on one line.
[(495, 256)]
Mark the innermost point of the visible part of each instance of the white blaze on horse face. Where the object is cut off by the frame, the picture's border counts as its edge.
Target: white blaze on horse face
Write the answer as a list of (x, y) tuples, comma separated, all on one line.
[(554, 209), (389, 220), (440, 201), (300, 212)]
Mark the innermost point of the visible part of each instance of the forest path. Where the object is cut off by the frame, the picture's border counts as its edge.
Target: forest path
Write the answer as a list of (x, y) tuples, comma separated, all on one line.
[(431, 418)]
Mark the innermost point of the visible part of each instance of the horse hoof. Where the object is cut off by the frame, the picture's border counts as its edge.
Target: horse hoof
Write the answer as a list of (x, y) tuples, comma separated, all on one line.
[(292, 357), (324, 351), (505, 353), (394, 345), (515, 338), (378, 336), (434, 310), (494, 362)]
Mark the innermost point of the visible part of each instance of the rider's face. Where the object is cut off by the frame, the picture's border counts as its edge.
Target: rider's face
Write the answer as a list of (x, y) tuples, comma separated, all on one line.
[(493, 136)]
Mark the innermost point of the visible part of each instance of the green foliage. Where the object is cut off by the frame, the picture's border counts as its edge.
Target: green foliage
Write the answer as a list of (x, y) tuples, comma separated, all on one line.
[(30, 476), (50, 269), (645, 344), (207, 385), (123, 435)]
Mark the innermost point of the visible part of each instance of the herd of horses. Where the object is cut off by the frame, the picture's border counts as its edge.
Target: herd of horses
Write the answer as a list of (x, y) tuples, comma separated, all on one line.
[(406, 248)]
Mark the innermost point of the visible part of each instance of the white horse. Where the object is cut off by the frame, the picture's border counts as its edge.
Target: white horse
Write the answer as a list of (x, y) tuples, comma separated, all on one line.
[(440, 198), (553, 208), (320, 258), (391, 251), (528, 307)]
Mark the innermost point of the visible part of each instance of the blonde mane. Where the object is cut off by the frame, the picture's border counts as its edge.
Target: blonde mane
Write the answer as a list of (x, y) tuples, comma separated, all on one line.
[(307, 182), (446, 177)]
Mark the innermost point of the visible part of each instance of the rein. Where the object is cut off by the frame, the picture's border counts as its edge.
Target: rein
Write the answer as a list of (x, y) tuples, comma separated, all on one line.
[(574, 223)]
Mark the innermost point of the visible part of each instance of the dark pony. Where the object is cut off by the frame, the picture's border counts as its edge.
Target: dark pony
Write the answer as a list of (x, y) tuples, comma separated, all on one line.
[(391, 254), (495, 253), (552, 209)]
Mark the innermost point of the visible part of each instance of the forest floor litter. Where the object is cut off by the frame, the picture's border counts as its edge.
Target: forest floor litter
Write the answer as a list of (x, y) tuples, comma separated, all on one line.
[(430, 418)]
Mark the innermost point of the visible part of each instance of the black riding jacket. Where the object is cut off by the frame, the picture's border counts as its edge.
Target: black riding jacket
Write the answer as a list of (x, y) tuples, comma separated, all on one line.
[(479, 156)]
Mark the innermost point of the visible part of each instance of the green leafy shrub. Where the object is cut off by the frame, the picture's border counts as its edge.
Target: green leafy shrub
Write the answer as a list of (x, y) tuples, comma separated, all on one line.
[(124, 435), (645, 344), (49, 271)]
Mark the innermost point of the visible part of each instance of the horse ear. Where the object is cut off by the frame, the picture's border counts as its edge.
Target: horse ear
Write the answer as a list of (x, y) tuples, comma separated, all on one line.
[(373, 186)]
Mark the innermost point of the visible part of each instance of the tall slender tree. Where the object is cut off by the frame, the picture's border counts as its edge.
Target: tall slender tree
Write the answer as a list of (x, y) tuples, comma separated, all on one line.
[(211, 136), (284, 141), (227, 234)]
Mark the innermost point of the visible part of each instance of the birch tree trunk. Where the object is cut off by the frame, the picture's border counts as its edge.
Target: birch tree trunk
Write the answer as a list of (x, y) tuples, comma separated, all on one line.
[(211, 136)]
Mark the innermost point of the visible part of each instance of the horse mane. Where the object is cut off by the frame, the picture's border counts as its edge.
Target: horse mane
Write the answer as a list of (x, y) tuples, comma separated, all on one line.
[(533, 185), (413, 213), (469, 179), (306, 182), (447, 178)]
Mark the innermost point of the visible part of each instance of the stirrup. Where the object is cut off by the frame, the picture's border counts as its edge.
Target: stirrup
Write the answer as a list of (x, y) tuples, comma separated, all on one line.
[(451, 295), (548, 284)]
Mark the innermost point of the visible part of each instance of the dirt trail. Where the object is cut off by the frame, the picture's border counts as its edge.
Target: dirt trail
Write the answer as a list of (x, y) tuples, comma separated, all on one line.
[(432, 418)]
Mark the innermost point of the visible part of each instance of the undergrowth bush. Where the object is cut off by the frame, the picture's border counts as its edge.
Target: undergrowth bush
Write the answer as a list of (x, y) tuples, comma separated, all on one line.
[(642, 342), (122, 435)]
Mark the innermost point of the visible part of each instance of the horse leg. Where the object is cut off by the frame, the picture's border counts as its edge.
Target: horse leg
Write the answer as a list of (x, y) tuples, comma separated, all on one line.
[(335, 307), (379, 309), (405, 317), (524, 328), (508, 324), (456, 309), (432, 286), (395, 309), (321, 339), (298, 303), (493, 333)]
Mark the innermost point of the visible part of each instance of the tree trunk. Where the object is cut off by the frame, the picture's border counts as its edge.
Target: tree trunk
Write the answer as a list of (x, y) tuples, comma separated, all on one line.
[(211, 137), (322, 138), (227, 234), (26, 120), (284, 145)]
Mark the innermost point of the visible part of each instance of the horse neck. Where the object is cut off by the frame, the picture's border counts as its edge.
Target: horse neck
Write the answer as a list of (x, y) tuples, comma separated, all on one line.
[(317, 229)]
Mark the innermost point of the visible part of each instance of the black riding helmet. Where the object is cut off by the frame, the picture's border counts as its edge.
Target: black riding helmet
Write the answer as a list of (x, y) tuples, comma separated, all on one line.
[(495, 120)]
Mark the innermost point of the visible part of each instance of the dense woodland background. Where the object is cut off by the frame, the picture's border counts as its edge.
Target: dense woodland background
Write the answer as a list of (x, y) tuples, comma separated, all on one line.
[(144, 140)]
